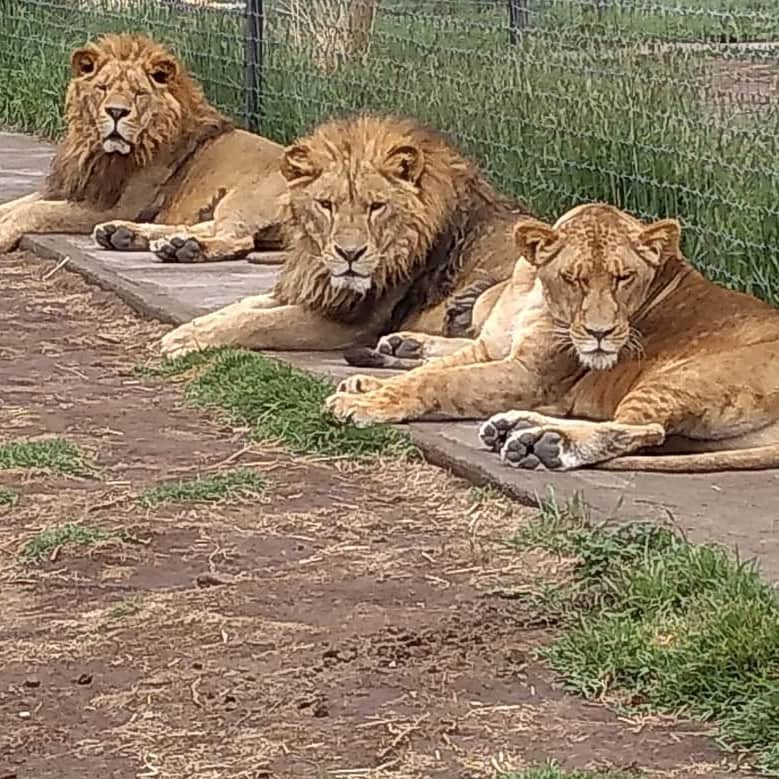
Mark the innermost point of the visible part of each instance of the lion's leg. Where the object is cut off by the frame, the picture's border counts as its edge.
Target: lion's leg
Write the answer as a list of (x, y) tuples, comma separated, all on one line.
[(190, 247), (7, 208), (50, 216), (462, 392), (260, 322), (468, 353), (123, 236)]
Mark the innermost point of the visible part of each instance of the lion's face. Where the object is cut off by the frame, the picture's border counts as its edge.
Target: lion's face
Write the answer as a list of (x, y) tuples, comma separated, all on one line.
[(123, 95), (353, 207), (596, 266)]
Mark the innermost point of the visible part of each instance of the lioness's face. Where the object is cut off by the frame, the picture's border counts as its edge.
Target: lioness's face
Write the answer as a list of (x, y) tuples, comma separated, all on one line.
[(596, 267), (122, 100), (352, 211)]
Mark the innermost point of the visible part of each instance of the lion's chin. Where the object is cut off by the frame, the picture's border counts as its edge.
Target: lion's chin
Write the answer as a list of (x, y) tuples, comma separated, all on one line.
[(598, 360), (351, 283), (116, 146)]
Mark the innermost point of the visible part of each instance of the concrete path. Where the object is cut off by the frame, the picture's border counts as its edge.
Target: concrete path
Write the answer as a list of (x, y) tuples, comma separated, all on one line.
[(741, 510)]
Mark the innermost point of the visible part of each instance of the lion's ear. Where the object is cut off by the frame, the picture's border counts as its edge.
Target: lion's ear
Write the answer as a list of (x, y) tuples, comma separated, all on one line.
[(163, 70), (83, 62), (298, 163), (534, 238), (660, 241), (405, 163)]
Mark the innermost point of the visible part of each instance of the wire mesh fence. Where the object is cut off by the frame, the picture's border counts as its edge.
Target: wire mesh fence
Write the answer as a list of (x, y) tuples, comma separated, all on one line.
[(666, 108)]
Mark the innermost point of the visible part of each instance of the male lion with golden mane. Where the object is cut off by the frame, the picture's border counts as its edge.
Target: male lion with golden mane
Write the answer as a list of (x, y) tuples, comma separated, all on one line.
[(386, 226), (142, 143), (620, 347)]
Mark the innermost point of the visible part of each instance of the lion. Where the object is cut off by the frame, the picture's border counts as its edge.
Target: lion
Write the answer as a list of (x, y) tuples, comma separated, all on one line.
[(619, 351), (390, 231), (142, 143)]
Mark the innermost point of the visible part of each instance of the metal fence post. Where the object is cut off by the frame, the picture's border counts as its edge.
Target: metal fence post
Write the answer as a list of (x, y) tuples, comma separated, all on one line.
[(518, 18), (253, 35)]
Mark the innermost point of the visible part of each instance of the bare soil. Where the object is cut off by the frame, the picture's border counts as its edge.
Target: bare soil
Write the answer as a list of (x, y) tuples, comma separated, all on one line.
[(353, 622)]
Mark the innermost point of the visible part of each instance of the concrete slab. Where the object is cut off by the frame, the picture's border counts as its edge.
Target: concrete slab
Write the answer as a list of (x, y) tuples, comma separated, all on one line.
[(741, 510)]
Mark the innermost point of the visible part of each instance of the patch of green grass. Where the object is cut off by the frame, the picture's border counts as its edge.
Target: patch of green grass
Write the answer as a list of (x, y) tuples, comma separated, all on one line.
[(278, 402), (50, 454), (8, 497), (127, 607), (242, 482), (669, 626), (553, 771), (46, 542)]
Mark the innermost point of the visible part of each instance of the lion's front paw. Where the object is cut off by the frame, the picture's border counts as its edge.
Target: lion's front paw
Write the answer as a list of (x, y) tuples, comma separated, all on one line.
[(120, 237), (362, 410), (537, 448), (181, 340), (178, 248), (494, 432), (359, 384), (9, 238), (401, 345)]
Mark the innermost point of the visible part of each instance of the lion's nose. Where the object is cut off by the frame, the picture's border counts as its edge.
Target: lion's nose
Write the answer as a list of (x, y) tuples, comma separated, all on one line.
[(117, 113), (351, 254), (599, 334)]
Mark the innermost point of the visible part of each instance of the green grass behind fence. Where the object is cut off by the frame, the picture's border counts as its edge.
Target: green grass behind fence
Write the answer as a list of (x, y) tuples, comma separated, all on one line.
[(583, 108)]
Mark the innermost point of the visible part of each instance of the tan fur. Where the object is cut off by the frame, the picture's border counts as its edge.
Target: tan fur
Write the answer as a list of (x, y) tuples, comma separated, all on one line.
[(620, 346), (387, 225), (142, 143)]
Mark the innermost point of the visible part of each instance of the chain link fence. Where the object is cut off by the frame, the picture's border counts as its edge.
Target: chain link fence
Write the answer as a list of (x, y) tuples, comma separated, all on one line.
[(666, 108)]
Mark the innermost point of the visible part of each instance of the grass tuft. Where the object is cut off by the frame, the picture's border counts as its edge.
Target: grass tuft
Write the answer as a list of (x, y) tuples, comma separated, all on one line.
[(553, 771), (669, 626), (50, 454), (239, 483), (127, 607), (8, 498), (278, 402), (46, 542)]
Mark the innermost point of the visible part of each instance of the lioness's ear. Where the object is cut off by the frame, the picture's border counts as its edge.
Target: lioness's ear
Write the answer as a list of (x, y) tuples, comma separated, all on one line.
[(406, 163), (660, 241), (298, 163), (83, 62), (531, 236), (163, 70)]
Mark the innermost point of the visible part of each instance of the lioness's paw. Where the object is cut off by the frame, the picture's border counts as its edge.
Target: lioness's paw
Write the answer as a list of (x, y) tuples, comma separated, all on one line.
[(536, 448), (401, 345), (118, 237), (494, 432), (9, 237), (361, 410), (359, 384), (178, 248)]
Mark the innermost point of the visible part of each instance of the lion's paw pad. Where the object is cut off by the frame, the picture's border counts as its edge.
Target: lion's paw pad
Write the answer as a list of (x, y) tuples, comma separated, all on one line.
[(178, 248), (399, 345), (494, 432), (359, 384), (533, 448), (115, 237)]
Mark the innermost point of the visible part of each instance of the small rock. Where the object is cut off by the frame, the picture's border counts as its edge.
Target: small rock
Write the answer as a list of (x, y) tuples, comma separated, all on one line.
[(24, 715), (84, 679), (32, 682), (212, 580)]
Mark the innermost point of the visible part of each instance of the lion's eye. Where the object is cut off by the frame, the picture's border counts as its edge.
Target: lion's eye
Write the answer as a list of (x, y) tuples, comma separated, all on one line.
[(101, 87), (325, 205), (568, 278), (377, 206), (625, 278)]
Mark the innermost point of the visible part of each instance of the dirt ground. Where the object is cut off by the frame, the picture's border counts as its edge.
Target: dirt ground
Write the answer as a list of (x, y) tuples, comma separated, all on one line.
[(351, 623)]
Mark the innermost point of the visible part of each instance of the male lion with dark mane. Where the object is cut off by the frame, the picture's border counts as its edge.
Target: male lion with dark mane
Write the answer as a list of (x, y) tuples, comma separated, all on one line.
[(620, 347), (142, 143), (386, 226)]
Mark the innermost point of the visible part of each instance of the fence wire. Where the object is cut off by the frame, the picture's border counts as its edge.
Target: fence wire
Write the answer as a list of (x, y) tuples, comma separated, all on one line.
[(663, 108)]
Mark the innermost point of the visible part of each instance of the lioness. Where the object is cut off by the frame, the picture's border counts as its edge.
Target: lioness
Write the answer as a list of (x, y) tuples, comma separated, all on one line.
[(142, 143), (622, 334), (386, 225)]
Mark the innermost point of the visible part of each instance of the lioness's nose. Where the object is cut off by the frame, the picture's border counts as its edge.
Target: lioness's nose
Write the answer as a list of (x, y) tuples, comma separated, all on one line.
[(599, 334), (117, 113), (350, 254)]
